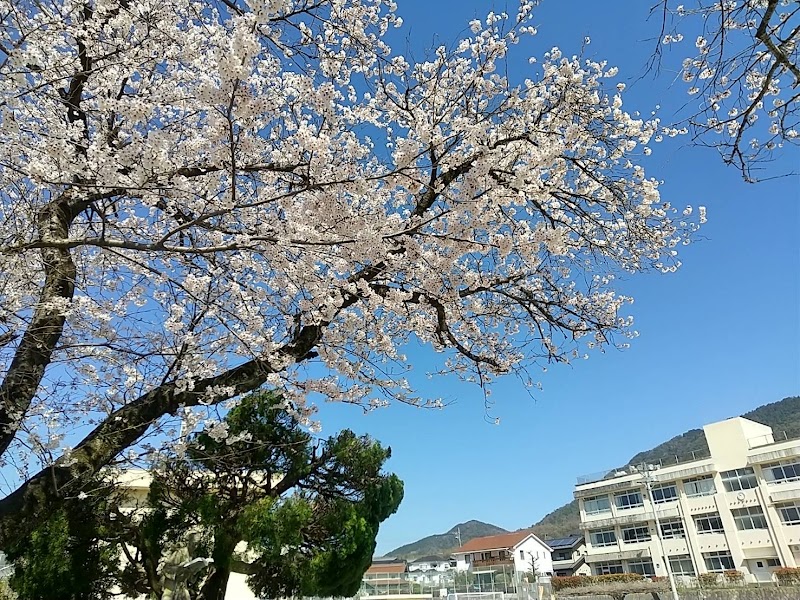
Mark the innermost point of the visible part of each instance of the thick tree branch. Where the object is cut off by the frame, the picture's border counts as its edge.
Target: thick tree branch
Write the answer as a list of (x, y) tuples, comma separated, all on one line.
[(44, 331)]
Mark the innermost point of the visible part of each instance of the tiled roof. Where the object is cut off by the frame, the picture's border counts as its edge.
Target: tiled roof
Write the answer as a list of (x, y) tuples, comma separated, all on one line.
[(431, 558), (398, 567), (494, 542)]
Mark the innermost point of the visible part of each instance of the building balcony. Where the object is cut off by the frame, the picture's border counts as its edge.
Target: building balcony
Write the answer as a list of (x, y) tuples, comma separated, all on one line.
[(567, 563), (615, 554), (772, 451), (640, 514), (494, 562), (784, 493), (628, 473)]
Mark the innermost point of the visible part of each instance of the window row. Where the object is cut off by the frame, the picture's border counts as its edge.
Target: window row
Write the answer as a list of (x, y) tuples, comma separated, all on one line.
[(739, 479), (701, 486), (680, 564), (733, 481), (751, 517), (642, 566), (781, 472), (629, 535)]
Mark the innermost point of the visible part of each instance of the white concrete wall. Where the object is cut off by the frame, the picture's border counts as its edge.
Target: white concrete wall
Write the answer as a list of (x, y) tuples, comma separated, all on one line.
[(728, 441), (532, 547), (461, 562)]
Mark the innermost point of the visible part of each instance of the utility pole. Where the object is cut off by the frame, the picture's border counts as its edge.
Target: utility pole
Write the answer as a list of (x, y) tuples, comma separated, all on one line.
[(648, 479)]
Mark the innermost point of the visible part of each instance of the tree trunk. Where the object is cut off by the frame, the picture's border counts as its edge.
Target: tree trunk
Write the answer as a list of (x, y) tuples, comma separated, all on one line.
[(216, 585)]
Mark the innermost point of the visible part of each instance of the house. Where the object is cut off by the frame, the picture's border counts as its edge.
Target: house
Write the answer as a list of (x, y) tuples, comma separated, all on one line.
[(736, 506), (432, 571), (569, 556), (432, 563), (385, 576), (512, 554)]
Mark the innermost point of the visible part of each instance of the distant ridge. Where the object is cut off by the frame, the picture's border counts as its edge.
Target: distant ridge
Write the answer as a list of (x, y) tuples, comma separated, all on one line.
[(783, 416), (445, 543)]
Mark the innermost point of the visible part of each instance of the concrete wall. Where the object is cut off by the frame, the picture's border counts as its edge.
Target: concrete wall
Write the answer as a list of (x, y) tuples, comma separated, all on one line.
[(728, 441), (745, 593), (532, 547)]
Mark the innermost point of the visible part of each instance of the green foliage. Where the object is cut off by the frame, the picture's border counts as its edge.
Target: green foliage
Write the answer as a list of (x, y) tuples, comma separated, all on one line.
[(6, 593), (308, 510), (562, 522), (64, 557)]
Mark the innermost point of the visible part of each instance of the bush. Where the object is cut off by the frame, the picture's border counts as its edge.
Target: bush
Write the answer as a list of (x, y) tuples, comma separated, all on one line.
[(707, 579), (618, 578), (560, 583), (734, 576), (788, 575)]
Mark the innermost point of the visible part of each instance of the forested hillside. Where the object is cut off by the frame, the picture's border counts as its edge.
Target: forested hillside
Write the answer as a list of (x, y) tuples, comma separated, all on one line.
[(444, 543)]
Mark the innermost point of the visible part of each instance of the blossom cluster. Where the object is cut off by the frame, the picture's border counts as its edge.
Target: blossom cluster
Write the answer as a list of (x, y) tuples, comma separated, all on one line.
[(237, 193)]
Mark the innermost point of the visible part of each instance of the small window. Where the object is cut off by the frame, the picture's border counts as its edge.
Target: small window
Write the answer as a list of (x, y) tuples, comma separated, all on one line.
[(642, 567), (608, 568), (664, 493), (631, 535), (751, 517), (790, 513), (759, 564), (773, 562), (681, 565), (718, 561), (596, 504), (701, 486), (672, 529), (630, 499), (521, 555), (603, 537), (739, 479), (708, 523)]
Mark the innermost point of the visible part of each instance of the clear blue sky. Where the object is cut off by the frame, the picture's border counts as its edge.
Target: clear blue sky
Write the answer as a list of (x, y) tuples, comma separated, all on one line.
[(718, 338)]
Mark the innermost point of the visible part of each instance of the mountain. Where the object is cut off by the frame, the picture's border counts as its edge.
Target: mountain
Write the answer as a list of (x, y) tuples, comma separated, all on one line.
[(782, 416), (445, 543)]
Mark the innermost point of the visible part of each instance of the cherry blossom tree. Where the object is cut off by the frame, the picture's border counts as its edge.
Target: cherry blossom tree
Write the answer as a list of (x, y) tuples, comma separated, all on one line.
[(743, 74), (200, 199)]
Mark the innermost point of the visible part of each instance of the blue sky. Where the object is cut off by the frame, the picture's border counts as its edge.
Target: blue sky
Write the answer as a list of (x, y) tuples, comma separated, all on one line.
[(719, 338)]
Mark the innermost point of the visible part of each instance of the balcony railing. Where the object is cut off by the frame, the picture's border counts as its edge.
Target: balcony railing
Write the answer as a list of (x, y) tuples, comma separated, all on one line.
[(775, 437), (676, 459), (495, 561)]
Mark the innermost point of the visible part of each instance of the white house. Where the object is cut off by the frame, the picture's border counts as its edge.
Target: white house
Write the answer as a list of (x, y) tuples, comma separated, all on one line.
[(431, 570), (519, 552), (431, 563)]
